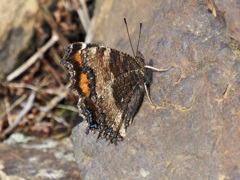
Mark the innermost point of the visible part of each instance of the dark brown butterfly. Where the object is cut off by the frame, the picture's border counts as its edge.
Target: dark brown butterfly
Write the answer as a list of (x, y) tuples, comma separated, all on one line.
[(110, 85)]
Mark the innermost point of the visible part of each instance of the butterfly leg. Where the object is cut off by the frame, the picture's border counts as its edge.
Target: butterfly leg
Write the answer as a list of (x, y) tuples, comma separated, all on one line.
[(147, 93), (156, 69)]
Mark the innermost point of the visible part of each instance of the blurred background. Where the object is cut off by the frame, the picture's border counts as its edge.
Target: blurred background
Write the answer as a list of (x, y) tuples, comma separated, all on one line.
[(32, 40), (35, 102)]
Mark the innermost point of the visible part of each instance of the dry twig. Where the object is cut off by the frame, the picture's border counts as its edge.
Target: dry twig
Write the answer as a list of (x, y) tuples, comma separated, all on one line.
[(52, 23), (10, 108), (51, 105), (59, 119), (33, 58), (35, 88), (54, 72), (25, 110), (7, 105)]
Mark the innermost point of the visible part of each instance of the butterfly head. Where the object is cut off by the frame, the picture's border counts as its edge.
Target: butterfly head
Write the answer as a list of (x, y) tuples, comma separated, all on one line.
[(140, 59)]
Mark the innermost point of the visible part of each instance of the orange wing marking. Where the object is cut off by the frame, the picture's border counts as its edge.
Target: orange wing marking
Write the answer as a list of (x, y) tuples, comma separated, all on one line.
[(84, 84), (78, 58)]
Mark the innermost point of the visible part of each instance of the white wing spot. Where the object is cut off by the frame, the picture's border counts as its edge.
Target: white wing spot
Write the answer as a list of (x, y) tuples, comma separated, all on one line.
[(94, 50), (107, 52), (84, 45)]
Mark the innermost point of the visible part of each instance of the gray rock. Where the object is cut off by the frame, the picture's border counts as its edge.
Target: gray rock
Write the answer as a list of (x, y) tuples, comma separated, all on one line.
[(194, 134), (230, 10), (17, 21), (38, 159)]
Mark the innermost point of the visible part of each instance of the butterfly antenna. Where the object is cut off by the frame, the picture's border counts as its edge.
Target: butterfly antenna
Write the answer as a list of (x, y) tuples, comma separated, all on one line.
[(125, 21), (139, 35)]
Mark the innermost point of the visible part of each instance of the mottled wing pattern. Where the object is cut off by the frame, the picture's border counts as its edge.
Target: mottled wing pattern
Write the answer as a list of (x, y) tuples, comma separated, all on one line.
[(109, 84)]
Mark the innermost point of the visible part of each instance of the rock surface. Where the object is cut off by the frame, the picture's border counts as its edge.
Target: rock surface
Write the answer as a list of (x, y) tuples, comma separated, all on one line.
[(195, 132), (231, 13), (38, 159), (17, 21)]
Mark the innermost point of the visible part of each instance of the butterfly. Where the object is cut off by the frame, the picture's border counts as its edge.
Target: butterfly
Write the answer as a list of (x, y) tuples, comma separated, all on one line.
[(110, 85)]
